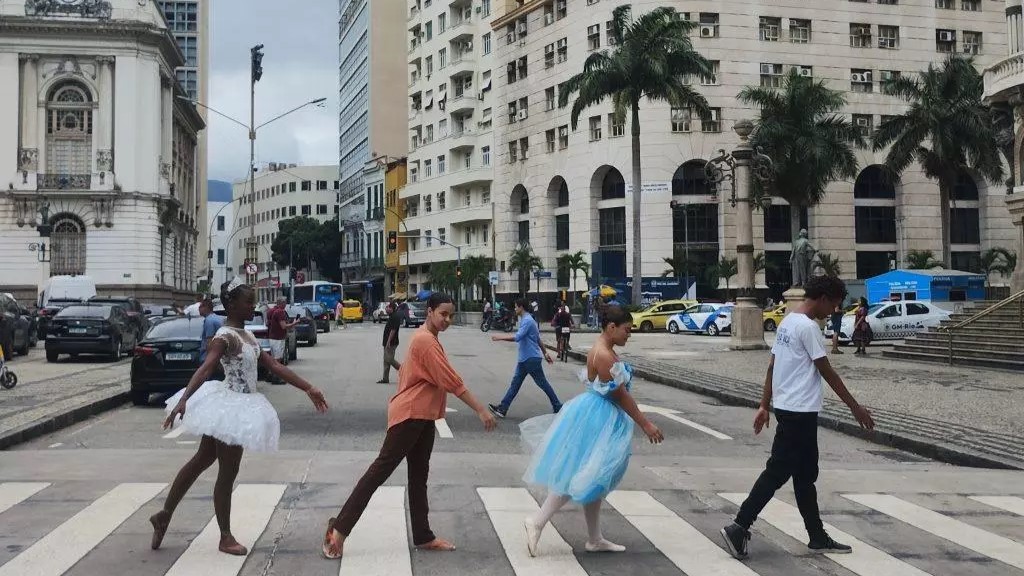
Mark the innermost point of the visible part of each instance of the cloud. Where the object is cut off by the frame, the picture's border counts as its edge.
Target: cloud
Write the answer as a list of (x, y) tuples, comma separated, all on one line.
[(300, 64)]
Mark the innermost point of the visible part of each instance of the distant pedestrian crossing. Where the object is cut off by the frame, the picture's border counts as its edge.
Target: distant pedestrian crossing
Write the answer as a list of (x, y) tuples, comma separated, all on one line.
[(676, 529)]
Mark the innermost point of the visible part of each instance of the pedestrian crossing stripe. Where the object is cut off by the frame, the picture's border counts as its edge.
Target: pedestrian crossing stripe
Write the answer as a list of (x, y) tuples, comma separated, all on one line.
[(380, 543)]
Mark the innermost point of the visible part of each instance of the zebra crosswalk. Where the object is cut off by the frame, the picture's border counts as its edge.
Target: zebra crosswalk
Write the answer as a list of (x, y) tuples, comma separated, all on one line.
[(674, 530)]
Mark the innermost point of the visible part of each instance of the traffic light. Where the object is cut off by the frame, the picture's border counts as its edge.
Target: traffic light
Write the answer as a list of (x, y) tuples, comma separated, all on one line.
[(257, 62), (458, 271), (392, 241)]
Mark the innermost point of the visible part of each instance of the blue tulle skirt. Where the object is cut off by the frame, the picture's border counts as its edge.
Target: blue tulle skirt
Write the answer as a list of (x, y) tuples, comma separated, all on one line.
[(585, 450)]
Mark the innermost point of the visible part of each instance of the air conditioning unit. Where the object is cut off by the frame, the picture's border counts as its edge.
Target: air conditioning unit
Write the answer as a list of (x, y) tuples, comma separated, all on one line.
[(521, 115), (549, 19), (805, 71), (863, 122), (707, 31), (857, 77), (766, 68), (947, 36)]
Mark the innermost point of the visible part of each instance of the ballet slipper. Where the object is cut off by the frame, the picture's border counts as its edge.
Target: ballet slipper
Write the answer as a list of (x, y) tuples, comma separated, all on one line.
[(603, 545), (329, 549), (437, 545), (160, 521), (532, 537), (229, 545)]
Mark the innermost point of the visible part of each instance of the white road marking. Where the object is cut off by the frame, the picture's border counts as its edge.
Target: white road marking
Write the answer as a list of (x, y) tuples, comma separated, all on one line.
[(443, 430), (379, 544), (865, 560), (12, 493), (957, 532), (175, 432), (251, 508), (447, 409), (673, 415), (507, 509), (186, 442), (56, 445), (1009, 503), (58, 551), (684, 545)]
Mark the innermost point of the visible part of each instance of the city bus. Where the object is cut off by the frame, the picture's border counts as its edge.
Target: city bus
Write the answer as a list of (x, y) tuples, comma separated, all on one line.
[(326, 293)]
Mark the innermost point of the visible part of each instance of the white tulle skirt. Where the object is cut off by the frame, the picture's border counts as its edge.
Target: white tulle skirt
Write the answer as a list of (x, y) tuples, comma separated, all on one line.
[(246, 420)]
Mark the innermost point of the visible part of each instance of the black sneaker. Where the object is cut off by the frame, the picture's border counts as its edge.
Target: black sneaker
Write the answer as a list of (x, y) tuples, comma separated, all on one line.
[(736, 538), (825, 543), (496, 410)]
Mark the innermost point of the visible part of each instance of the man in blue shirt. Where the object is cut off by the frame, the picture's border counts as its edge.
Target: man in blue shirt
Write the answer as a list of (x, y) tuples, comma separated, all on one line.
[(211, 322), (530, 354)]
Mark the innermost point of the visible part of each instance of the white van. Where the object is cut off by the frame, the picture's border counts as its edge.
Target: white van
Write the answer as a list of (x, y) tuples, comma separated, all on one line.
[(67, 288)]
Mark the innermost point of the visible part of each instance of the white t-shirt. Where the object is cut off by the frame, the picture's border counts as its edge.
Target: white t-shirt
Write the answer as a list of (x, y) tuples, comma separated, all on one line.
[(796, 383)]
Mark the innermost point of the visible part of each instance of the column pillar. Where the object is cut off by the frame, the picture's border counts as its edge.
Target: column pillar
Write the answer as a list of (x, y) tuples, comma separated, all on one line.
[(166, 127), (105, 117), (28, 154), (747, 328)]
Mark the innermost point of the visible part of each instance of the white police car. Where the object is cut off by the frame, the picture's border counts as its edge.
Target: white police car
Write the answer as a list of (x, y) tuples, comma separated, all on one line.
[(895, 320), (711, 319)]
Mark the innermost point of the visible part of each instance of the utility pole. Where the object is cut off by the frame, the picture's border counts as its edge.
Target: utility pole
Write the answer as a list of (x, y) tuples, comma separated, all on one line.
[(256, 72), (291, 269)]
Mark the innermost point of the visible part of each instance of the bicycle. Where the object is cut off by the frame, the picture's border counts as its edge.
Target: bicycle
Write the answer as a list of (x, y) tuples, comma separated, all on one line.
[(8, 379), (563, 344)]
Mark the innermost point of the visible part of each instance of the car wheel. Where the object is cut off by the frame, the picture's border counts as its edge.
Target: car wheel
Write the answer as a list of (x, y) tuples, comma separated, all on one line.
[(33, 339), (769, 325), (51, 355), (646, 326), (24, 349), (673, 328), (115, 354), (713, 330), (139, 398), (328, 329)]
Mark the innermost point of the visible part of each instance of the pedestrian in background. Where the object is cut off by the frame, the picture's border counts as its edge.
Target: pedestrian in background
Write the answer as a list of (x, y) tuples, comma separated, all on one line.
[(424, 383), (792, 386), (391, 327), (277, 329), (861, 328), (531, 352), (836, 320), (211, 323), (339, 314)]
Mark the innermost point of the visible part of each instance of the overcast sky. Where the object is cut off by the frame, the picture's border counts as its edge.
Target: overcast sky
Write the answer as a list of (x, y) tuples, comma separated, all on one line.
[(300, 64)]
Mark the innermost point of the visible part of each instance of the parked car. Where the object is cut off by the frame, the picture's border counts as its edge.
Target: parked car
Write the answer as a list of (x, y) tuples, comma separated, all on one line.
[(351, 311), (894, 320), (415, 313), (711, 319), (258, 327), (33, 320), (68, 288), (655, 316), (90, 328), (773, 317), (46, 314), (166, 358), (15, 329), (305, 330), (320, 314), (133, 309), (380, 313)]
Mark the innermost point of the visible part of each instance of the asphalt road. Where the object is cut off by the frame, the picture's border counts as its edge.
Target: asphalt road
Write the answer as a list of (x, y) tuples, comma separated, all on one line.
[(77, 501)]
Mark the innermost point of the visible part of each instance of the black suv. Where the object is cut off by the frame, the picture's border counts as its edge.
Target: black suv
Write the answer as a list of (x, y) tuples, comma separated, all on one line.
[(15, 328), (134, 309)]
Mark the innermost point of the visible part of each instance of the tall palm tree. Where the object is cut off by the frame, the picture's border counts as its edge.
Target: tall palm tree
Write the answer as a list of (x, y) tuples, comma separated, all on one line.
[(442, 277), (828, 264), (474, 273), (652, 59), (997, 261), (576, 263), (922, 260), (725, 269), (803, 129), (947, 129), (524, 261), (678, 266)]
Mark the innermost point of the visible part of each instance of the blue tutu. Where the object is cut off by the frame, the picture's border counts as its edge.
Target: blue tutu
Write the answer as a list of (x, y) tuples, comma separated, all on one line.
[(585, 451)]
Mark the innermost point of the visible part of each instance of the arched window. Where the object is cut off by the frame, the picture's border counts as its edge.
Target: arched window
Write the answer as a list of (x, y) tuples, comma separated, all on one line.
[(874, 182), (690, 179), (613, 186), (67, 246), (69, 131), (965, 188)]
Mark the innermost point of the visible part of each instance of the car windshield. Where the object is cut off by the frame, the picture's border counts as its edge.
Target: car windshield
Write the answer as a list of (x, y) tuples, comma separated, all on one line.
[(315, 308), (350, 304), (85, 312), (418, 306), (177, 328), (876, 307)]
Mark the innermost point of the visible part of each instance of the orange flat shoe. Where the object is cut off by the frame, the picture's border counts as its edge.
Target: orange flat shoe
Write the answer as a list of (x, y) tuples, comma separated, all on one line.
[(437, 545)]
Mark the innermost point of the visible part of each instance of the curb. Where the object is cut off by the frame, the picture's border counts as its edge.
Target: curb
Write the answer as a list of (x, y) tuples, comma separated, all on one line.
[(899, 440), (61, 420)]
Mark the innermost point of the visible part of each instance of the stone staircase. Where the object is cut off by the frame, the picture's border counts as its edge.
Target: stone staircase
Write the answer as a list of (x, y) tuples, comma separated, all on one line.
[(992, 341)]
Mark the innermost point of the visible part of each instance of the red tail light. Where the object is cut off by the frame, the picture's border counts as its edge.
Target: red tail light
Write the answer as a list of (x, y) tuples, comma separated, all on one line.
[(144, 351)]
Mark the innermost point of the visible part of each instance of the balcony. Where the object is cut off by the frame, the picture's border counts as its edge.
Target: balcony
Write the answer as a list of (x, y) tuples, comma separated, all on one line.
[(462, 103), (462, 139), (63, 181), (1003, 77), (469, 214), (370, 263), (462, 65)]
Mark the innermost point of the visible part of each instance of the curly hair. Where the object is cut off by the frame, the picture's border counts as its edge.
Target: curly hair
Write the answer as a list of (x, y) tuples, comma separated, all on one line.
[(827, 286)]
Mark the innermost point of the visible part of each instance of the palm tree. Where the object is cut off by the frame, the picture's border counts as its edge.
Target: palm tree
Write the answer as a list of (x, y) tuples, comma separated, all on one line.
[(679, 265), (803, 129), (524, 261), (442, 277), (828, 264), (997, 261), (576, 262), (921, 260), (725, 269), (947, 129), (474, 273), (652, 59)]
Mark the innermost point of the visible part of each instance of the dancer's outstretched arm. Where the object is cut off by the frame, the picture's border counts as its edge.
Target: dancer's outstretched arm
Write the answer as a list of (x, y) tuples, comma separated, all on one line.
[(285, 373)]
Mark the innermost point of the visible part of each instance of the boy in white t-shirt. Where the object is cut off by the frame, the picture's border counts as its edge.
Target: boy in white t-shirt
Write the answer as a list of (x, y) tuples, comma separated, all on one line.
[(793, 388)]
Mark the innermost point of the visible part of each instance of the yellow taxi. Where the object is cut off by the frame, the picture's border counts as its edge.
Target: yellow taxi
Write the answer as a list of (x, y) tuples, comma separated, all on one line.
[(772, 317), (351, 311), (655, 316)]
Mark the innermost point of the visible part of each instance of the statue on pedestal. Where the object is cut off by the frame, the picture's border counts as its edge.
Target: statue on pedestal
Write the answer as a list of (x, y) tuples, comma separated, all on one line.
[(802, 259)]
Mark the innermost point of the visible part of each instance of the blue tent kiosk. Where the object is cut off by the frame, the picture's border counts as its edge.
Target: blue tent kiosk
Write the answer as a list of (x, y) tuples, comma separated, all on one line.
[(933, 285)]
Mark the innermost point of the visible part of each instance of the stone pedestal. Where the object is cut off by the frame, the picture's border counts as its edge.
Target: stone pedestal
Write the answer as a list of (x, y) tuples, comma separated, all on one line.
[(792, 297), (747, 327)]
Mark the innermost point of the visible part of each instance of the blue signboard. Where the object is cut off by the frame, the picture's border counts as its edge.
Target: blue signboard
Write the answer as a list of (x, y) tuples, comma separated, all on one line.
[(934, 285), (653, 288)]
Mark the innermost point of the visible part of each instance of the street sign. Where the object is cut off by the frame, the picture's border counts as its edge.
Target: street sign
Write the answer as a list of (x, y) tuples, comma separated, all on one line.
[(251, 268), (542, 274), (300, 277), (493, 277)]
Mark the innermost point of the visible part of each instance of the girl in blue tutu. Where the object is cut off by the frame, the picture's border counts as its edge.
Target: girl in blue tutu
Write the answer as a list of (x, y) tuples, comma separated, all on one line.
[(585, 451)]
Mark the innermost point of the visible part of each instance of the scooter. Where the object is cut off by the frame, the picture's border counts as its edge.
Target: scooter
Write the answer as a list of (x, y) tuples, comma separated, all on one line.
[(8, 379)]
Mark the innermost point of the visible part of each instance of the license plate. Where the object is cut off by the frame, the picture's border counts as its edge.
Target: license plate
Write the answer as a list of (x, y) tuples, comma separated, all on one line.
[(566, 331), (78, 330), (178, 356)]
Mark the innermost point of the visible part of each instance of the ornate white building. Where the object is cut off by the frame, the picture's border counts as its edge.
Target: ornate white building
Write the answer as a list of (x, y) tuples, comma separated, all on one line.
[(93, 134)]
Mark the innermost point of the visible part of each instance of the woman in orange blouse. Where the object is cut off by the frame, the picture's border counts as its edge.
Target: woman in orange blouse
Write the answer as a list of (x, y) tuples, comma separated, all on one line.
[(424, 382)]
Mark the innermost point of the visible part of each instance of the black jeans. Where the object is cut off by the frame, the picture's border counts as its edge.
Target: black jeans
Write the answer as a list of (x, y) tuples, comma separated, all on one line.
[(794, 455)]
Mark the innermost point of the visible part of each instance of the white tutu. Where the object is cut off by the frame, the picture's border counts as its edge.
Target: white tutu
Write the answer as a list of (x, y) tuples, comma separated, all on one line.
[(236, 418)]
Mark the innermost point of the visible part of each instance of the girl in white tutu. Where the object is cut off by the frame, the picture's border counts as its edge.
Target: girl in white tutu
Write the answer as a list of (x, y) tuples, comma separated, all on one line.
[(229, 415), (585, 451)]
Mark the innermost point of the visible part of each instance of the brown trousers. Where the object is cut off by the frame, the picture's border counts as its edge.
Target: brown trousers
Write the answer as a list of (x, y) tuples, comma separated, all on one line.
[(412, 440)]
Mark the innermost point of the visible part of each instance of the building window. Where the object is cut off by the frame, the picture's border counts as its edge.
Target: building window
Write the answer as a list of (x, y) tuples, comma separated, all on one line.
[(799, 31), (441, 201), (805, 71), (563, 137), (964, 226), (594, 37), (613, 186), (485, 196), (768, 28), (711, 80), (771, 75), (307, 185), (485, 7), (428, 204), (875, 224), (321, 209), (562, 49), (487, 43), (612, 227), (467, 198), (428, 238), (860, 80), (220, 256), (69, 134), (700, 226), (549, 99), (563, 274), (428, 168), (291, 211), (680, 118), (777, 226), (524, 232), (712, 123), (440, 164), (561, 90), (945, 40), (616, 126), (970, 5), (871, 264), (524, 203), (485, 155), (560, 9), (889, 37), (442, 23), (549, 138), (562, 232), (946, 4), (563, 194), (889, 2), (885, 77), (690, 179), (428, 29), (67, 246), (873, 183), (609, 32), (513, 150), (972, 42), (595, 128), (220, 223), (307, 210), (442, 235), (860, 35), (549, 55), (524, 148), (864, 123), (442, 58), (708, 25)]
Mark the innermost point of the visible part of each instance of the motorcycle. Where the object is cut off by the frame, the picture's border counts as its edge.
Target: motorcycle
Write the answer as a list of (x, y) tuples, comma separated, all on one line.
[(505, 321)]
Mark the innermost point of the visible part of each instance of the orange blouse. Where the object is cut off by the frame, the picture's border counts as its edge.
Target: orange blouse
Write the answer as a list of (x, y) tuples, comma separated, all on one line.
[(424, 381)]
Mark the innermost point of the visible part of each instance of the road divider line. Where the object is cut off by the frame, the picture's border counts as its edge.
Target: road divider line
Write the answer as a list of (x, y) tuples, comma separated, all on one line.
[(443, 430), (55, 553), (865, 560), (674, 415), (252, 505), (379, 546), (684, 545), (959, 533), (508, 508), (1009, 503), (12, 493)]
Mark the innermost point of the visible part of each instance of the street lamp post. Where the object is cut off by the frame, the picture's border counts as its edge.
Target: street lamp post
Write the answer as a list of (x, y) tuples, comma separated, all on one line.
[(740, 168)]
